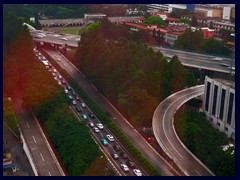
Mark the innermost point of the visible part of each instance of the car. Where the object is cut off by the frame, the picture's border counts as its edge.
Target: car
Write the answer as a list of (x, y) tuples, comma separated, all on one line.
[(58, 59), (91, 124), (69, 87), (91, 115), (54, 70), (63, 38), (60, 77), (83, 105), (59, 82), (137, 172), (55, 78), (124, 167), (84, 116), (78, 108), (224, 65), (77, 98), (124, 155), (63, 82), (217, 59), (54, 74), (116, 147), (110, 137), (66, 91), (100, 126), (130, 164), (96, 129), (74, 102), (73, 93), (70, 97), (115, 156), (104, 142)]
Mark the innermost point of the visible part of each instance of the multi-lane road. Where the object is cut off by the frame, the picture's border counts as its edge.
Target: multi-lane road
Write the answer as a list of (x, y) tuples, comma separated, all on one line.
[(166, 136), (83, 113), (190, 59), (163, 167), (200, 61)]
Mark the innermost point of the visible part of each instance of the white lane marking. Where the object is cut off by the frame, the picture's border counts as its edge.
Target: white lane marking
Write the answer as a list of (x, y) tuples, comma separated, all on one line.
[(41, 156), (49, 173), (27, 124), (34, 139), (197, 172)]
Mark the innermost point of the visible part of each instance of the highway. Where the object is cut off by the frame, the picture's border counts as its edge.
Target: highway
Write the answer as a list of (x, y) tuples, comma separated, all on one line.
[(163, 167), (84, 114), (167, 138), (196, 60), (200, 61)]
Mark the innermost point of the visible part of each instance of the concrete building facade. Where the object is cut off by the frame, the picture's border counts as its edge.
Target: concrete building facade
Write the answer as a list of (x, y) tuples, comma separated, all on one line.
[(219, 105)]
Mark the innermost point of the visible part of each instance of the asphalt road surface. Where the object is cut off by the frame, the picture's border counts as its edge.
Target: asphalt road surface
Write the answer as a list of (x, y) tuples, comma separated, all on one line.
[(166, 136), (140, 143), (42, 158)]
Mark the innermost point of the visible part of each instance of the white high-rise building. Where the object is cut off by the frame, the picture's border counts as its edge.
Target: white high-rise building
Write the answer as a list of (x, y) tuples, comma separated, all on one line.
[(219, 105), (152, 8)]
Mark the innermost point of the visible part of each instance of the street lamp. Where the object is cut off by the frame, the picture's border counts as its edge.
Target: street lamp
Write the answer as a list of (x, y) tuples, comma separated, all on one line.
[(233, 52)]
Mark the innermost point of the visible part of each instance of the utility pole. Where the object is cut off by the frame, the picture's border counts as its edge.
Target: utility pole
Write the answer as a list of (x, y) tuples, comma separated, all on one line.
[(233, 52)]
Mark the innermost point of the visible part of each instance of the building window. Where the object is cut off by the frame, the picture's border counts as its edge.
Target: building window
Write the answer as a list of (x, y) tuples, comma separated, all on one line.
[(211, 119), (218, 123), (230, 105), (222, 104), (226, 129), (207, 96), (214, 100)]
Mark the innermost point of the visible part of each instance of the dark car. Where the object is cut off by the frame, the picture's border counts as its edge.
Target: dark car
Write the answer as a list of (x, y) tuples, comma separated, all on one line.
[(73, 93), (116, 147), (123, 155), (91, 115), (130, 164), (79, 109)]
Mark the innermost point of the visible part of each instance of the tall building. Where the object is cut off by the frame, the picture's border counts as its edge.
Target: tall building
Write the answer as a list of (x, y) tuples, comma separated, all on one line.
[(219, 105)]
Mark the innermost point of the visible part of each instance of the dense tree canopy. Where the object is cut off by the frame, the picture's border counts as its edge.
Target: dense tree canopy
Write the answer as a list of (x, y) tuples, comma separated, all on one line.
[(131, 75), (154, 20), (205, 142)]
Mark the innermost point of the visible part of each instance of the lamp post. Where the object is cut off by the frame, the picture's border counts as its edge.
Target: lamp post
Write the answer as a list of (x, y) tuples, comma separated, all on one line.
[(233, 52)]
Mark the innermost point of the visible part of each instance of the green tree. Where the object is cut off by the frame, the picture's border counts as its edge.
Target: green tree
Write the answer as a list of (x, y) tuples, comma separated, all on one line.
[(154, 20), (213, 45), (185, 21)]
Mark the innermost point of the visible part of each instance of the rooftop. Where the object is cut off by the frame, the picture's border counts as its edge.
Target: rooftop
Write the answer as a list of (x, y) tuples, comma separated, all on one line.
[(231, 84)]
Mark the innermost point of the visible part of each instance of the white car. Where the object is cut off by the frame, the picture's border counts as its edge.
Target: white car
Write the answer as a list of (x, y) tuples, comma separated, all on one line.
[(96, 129), (60, 77), (66, 91), (83, 105), (74, 102), (124, 167), (137, 172), (99, 125), (54, 70), (110, 137), (91, 124)]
